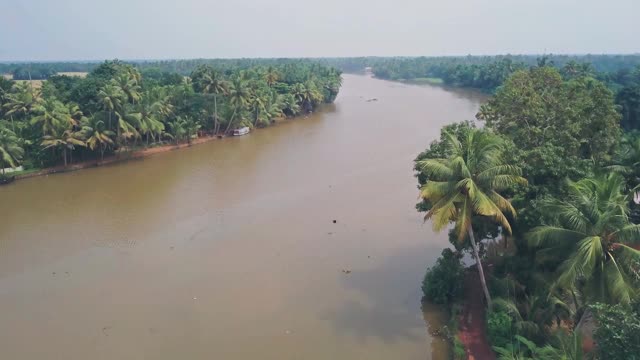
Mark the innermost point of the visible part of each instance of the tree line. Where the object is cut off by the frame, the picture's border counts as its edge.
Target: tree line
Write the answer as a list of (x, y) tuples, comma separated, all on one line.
[(120, 107), (621, 73), (545, 196)]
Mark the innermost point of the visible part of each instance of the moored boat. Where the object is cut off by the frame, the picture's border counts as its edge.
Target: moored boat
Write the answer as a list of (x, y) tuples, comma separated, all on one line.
[(241, 131)]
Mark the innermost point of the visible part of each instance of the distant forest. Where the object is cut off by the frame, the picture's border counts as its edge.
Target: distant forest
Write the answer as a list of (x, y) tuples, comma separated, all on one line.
[(621, 73)]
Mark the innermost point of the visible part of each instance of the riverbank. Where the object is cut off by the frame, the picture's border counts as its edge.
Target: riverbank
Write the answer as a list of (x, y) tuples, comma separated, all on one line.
[(118, 157), (122, 156)]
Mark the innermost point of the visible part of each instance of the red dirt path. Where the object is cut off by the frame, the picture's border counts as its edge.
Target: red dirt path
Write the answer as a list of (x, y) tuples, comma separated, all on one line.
[(471, 323)]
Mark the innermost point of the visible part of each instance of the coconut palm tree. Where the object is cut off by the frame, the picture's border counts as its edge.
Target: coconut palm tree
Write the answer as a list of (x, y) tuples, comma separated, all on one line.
[(290, 105), (590, 235), (20, 101), (111, 98), (128, 123), (213, 83), (67, 139), (275, 105), (177, 128), (97, 135), (129, 86), (51, 114), (271, 76), (10, 150), (258, 107), (150, 114), (467, 184), (239, 97)]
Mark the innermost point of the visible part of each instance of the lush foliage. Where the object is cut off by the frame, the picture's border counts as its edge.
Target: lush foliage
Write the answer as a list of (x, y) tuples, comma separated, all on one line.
[(575, 240), (117, 107), (443, 283), (618, 332), (466, 184), (590, 240), (499, 328)]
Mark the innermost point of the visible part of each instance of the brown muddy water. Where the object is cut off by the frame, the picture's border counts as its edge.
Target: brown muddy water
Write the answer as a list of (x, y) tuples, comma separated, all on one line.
[(228, 250)]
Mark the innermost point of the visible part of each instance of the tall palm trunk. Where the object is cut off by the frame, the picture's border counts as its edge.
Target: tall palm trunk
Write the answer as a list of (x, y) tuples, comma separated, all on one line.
[(255, 123), (231, 121), (216, 126), (476, 255)]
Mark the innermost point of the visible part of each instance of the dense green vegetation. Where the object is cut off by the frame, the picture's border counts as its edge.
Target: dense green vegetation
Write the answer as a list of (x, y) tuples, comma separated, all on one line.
[(443, 283), (620, 73), (119, 107), (562, 245)]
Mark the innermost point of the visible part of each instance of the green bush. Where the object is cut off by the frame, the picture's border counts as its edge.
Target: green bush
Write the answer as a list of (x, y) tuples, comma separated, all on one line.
[(617, 332), (499, 328), (459, 353), (443, 283)]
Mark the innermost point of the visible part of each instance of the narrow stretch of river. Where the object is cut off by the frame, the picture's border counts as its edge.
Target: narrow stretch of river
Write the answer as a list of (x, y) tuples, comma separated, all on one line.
[(229, 250)]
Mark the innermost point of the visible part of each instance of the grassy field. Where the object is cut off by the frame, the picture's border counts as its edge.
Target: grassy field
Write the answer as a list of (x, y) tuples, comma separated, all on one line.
[(433, 81), (73, 73), (38, 83)]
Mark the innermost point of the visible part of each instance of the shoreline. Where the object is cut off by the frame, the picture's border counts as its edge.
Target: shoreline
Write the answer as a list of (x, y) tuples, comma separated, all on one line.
[(136, 154), (116, 158)]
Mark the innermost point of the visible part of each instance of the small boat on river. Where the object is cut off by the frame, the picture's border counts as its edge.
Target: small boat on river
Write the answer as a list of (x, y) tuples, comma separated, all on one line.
[(242, 131)]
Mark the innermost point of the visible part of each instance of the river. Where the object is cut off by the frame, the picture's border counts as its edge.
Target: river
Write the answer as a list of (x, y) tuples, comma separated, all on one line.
[(229, 250)]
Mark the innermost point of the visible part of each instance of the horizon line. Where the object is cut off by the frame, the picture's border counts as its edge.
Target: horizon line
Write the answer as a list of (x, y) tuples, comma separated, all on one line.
[(308, 57)]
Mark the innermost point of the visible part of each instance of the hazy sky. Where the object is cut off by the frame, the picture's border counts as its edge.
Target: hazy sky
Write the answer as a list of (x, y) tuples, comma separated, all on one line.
[(137, 29)]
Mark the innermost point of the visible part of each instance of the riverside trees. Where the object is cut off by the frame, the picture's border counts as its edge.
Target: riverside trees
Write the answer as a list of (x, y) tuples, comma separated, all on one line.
[(116, 107)]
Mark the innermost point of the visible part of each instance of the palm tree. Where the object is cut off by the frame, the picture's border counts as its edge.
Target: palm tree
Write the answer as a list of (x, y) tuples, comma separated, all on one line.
[(20, 101), (185, 126), (298, 90), (213, 83), (66, 139), (239, 96), (257, 103), (97, 135), (178, 130), (290, 105), (51, 114), (588, 235), (275, 105), (111, 97), (128, 123), (466, 184), (271, 76), (129, 86), (150, 113), (10, 150)]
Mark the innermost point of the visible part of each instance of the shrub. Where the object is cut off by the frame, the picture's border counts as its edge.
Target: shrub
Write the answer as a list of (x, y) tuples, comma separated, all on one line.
[(443, 283), (459, 353), (617, 333), (499, 328)]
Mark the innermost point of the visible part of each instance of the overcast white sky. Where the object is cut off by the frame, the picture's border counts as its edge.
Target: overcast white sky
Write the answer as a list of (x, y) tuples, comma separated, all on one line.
[(144, 29)]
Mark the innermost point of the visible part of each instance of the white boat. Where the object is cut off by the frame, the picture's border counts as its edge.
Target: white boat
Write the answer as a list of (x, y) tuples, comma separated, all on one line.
[(242, 131)]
